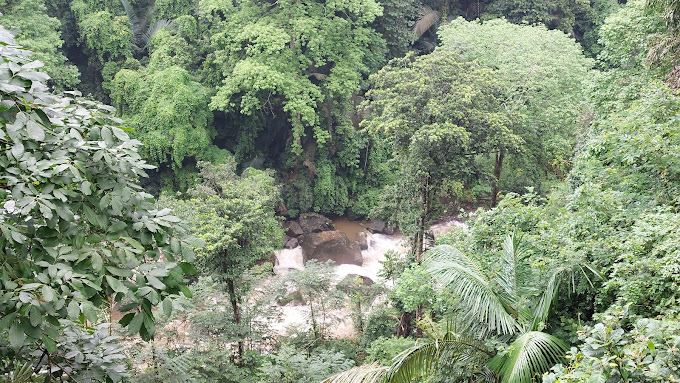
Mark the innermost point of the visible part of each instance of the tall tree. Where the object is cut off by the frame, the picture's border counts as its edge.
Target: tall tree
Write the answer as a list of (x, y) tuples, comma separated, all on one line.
[(235, 216), (288, 72), (438, 114), (542, 76)]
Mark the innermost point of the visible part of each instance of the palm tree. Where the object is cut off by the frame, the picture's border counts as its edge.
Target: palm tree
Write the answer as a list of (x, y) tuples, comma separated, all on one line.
[(142, 30), (509, 308)]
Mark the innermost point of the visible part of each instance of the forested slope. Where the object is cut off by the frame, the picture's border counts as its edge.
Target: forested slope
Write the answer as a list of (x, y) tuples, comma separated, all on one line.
[(550, 127)]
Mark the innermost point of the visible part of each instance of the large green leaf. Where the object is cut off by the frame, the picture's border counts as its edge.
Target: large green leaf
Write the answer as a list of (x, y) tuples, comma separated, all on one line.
[(530, 355), (479, 301)]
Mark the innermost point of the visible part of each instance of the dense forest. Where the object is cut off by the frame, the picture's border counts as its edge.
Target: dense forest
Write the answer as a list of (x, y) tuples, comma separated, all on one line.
[(340, 191)]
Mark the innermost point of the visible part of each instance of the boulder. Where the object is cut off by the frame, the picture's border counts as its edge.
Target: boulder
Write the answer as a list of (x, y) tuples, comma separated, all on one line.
[(294, 297), (362, 240), (376, 226), (314, 223), (292, 228), (354, 278), (331, 245), (291, 244)]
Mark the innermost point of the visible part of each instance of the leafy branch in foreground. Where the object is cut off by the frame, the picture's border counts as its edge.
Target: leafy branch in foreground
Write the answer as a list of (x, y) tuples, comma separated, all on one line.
[(77, 232)]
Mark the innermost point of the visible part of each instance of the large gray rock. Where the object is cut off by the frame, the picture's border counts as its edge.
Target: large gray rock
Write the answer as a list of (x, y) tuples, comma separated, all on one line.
[(291, 244), (294, 298), (292, 228), (355, 279), (314, 223), (331, 245), (376, 226)]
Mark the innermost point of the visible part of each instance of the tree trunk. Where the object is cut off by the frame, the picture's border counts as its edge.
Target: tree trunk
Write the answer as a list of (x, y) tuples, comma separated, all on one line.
[(497, 167), (419, 316), (420, 236), (237, 314), (404, 329), (312, 314), (156, 370)]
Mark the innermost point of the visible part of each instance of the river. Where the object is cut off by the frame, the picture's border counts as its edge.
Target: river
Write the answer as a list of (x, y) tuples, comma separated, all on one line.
[(378, 246)]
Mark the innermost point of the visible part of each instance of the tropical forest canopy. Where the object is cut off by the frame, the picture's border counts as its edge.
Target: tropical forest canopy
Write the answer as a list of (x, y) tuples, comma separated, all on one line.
[(155, 155)]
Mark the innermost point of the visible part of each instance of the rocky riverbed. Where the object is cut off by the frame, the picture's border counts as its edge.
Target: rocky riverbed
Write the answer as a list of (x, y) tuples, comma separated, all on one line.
[(356, 247)]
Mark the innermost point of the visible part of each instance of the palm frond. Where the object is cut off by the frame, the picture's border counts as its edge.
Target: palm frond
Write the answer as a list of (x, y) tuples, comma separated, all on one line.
[(148, 35), (515, 279), (453, 269), (22, 374), (558, 275), (428, 18), (530, 355), (131, 15), (543, 308), (368, 373), (421, 360)]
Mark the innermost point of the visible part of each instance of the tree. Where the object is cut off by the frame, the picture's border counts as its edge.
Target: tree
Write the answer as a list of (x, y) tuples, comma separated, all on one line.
[(438, 113), (541, 76), (78, 233), (288, 74), (291, 59), (169, 111), (508, 308), (314, 283), (235, 216)]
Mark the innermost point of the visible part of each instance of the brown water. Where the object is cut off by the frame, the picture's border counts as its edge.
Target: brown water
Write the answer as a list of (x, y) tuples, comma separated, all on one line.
[(350, 228)]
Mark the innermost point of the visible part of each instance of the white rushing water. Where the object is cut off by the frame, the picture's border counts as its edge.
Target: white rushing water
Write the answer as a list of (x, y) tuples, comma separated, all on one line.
[(297, 316), (378, 245)]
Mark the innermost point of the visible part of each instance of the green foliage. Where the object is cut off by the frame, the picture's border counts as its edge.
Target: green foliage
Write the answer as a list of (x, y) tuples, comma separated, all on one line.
[(39, 32), (291, 59), (438, 113), (413, 289), (106, 35), (298, 195), (169, 112), (556, 14), (381, 322), (77, 230), (588, 23), (330, 191), (383, 350), (85, 354), (507, 312), (291, 366), (622, 347), (396, 25), (625, 38), (542, 76), (234, 215)]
